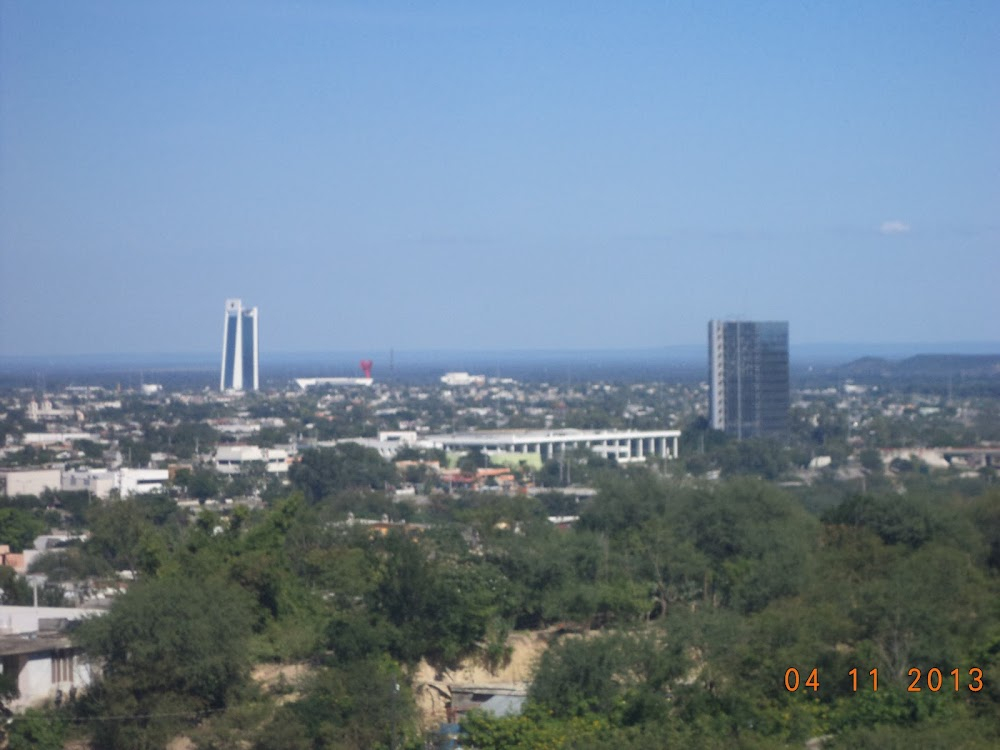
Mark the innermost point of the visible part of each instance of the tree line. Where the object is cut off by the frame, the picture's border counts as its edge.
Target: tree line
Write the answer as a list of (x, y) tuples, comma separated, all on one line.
[(685, 604)]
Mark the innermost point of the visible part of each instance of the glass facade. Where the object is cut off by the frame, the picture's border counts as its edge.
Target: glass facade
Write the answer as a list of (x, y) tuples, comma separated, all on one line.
[(249, 353), (229, 352), (748, 377)]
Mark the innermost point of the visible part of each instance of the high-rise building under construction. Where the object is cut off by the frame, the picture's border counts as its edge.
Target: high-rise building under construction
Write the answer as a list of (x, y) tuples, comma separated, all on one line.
[(748, 377)]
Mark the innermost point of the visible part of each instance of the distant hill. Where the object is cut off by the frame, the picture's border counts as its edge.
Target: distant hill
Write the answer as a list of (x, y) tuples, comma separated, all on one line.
[(866, 367), (924, 367)]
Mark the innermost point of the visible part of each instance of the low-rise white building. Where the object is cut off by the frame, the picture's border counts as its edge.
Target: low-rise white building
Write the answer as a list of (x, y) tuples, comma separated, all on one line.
[(141, 481), (101, 482), (98, 482), (307, 383), (231, 459), (462, 378), (46, 410), (622, 445), (55, 438)]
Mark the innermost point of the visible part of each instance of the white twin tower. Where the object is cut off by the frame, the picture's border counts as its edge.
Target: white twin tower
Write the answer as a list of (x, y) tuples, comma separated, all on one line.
[(240, 370)]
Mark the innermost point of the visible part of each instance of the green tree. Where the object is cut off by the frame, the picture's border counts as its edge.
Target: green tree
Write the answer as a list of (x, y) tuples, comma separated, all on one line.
[(986, 515), (361, 706), (622, 676), (91, 450), (8, 691), (71, 563), (203, 484), (18, 528), (135, 452), (896, 519), (14, 589), (439, 608), (74, 506), (925, 609), (473, 460), (535, 728), (760, 457), (268, 437), (757, 539), (168, 650), (871, 460), (36, 730), (118, 530), (325, 471)]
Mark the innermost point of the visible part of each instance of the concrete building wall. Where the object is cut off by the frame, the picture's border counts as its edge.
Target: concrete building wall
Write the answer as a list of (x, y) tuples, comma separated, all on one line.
[(622, 445), (141, 481), (32, 482), (41, 676), (101, 482), (15, 619), (34, 681)]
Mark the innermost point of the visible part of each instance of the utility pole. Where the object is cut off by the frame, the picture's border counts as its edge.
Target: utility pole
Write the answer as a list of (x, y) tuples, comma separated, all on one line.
[(392, 711)]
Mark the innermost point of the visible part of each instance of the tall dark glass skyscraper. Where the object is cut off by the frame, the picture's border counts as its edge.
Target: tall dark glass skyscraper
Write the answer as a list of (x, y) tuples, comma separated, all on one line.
[(239, 348), (748, 377)]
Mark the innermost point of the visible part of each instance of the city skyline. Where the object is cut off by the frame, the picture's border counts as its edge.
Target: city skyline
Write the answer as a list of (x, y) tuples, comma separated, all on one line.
[(507, 178)]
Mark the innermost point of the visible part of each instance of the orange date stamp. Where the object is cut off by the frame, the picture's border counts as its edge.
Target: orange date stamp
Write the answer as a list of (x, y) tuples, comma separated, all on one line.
[(934, 680)]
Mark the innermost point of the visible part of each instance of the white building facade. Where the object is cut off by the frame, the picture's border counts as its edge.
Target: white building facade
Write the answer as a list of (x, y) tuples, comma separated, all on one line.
[(624, 446), (30, 481), (234, 459), (240, 348), (101, 482), (462, 378)]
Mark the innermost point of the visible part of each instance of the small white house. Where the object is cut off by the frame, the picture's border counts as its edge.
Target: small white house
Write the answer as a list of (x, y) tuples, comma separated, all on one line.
[(35, 646)]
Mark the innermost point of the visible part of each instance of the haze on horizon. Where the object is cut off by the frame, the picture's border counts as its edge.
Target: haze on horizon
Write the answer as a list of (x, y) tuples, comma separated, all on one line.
[(505, 178)]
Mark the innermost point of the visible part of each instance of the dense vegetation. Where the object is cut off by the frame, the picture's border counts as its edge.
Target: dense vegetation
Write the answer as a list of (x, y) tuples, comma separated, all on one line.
[(686, 604)]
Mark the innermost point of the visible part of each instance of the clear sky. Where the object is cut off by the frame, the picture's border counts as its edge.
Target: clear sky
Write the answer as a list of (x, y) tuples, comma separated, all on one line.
[(496, 175)]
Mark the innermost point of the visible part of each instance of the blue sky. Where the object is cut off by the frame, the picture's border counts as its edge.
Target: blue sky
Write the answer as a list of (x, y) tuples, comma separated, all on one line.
[(496, 176)]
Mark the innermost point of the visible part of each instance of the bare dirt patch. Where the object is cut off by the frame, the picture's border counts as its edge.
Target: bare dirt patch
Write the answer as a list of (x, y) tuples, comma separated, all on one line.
[(281, 679), (431, 688)]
